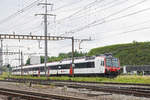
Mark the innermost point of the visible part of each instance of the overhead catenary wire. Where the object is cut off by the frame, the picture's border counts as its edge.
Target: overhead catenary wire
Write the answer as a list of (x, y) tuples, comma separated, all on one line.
[(26, 20), (66, 5), (103, 19), (129, 26), (100, 23), (109, 7), (13, 26), (20, 11), (128, 31), (82, 9), (21, 18), (74, 16), (116, 4), (105, 39), (127, 15), (113, 19), (135, 30)]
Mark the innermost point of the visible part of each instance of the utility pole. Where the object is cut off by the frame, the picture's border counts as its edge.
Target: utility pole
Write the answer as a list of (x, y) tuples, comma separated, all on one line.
[(2, 53), (73, 65), (45, 31), (19, 57), (21, 62), (7, 59)]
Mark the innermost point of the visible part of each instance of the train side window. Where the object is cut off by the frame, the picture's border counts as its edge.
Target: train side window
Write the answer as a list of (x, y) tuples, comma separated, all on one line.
[(54, 67), (84, 65), (30, 69), (41, 69), (102, 63), (90, 64), (37, 68), (66, 66), (80, 65)]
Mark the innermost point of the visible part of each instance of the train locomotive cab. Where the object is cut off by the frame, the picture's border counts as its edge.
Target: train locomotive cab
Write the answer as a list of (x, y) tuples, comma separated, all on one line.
[(112, 66)]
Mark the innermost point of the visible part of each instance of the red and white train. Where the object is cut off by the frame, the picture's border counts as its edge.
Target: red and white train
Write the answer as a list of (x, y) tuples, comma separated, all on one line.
[(97, 65)]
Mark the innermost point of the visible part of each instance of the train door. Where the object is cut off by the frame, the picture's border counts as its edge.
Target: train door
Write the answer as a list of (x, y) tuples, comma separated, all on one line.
[(100, 64), (48, 71), (71, 70), (39, 72)]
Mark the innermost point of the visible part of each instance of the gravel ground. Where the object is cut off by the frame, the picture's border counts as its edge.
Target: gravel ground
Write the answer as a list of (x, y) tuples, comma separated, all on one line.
[(3, 97), (52, 89)]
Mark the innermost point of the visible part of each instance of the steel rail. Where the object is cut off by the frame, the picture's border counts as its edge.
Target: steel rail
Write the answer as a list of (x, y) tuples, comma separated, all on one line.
[(119, 90), (35, 95), (38, 80)]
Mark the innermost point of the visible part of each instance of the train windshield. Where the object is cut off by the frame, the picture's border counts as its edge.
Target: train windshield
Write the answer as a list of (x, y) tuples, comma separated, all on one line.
[(112, 62)]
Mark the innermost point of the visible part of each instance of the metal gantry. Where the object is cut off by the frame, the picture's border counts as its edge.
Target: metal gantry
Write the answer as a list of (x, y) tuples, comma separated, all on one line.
[(1, 60), (32, 37), (14, 53), (39, 37)]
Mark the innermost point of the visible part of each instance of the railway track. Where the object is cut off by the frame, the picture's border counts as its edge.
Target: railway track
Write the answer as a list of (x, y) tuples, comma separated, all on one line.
[(35, 95), (47, 81), (124, 88), (140, 92)]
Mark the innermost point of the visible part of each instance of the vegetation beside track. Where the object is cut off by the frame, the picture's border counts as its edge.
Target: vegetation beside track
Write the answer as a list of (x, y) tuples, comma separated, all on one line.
[(132, 79), (4, 75), (119, 79)]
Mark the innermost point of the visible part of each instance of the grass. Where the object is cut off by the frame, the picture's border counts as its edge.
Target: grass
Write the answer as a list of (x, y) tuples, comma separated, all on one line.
[(118, 79), (89, 79), (4, 75), (133, 79)]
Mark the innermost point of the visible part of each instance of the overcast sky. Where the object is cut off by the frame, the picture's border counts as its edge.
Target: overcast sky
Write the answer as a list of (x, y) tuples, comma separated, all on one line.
[(107, 22)]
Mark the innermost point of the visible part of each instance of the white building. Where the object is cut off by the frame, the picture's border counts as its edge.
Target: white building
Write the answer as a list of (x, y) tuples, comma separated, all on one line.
[(35, 60)]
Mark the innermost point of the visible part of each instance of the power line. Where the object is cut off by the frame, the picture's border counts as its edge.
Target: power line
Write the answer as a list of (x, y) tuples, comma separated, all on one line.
[(117, 18), (100, 10), (66, 5), (140, 11), (20, 11), (78, 17), (85, 7), (122, 33), (130, 26), (103, 19), (125, 32), (18, 26), (24, 19)]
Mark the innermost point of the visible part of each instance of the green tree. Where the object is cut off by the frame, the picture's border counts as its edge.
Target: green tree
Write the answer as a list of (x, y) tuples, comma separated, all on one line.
[(28, 61)]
